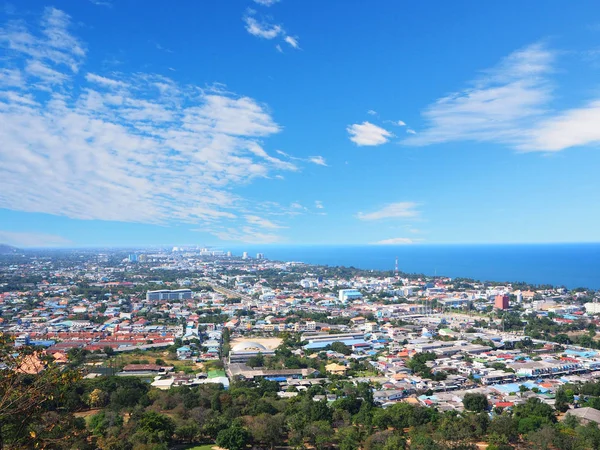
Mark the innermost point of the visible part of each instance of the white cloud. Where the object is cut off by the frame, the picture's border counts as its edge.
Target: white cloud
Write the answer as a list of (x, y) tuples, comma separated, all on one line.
[(400, 123), (510, 104), (266, 2), (44, 74), (319, 204), (368, 134), (248, 235), (574, 127), (297, 206), (395, 241), (372, 112), (51, 45), (101, 3), (292, 41), (125, 147), (93, 78), (11, 78), (499, 106), (262, 222), (262, 29), (26, 239), (393, 210), (319, 160), (411, 131)]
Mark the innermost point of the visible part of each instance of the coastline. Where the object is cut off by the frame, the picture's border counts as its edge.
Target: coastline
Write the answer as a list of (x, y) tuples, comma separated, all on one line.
[(569, 265)]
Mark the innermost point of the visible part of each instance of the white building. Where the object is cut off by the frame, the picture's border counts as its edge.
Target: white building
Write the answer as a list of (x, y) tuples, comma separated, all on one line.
[(592, 308), (349, 294)]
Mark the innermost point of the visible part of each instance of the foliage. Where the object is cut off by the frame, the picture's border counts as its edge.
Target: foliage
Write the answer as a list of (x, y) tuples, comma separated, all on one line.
[(233, 438), (475, 402)]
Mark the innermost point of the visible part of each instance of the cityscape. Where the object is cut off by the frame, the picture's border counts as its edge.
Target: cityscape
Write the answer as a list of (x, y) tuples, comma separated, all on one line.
[(299, 225), (184, 319)]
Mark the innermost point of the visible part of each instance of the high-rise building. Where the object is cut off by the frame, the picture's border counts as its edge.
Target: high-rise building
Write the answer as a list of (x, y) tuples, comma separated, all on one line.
[(501, 301), (245, 255), (133, 258), (165, 294), (229, 254), (260, 256)]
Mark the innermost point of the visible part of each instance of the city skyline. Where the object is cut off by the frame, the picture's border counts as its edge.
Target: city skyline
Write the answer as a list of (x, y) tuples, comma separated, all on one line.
[(275, 122)]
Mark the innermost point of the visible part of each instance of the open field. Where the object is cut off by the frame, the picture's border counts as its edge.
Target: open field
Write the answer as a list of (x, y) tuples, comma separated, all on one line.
[(150, 357), (270, 343)]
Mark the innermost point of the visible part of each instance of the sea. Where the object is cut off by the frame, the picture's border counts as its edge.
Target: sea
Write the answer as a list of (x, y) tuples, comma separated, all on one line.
[(569, 265)]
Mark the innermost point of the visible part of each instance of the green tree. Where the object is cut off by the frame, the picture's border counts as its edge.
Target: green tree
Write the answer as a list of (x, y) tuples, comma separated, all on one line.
[(256, 361), (31, 385), (159, 427), (475, 402), (348, 438), (320, 434), (267, 429), (561, 402), (342, 348), (233, 438)]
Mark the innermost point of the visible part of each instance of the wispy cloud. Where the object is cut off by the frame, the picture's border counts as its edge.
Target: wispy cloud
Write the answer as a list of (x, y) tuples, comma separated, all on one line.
[(262, 222), (53, 44), (266, 2), (393, 210), (102, 3), (319, 204), (573, 127), (93, 78), (318, 160), (292, 41), (510, 104), (26, 239), (247, 235), (395, 241), (368, 134), (162, 48), (497, 107), (124, 147), (262, 29), (265, 29)]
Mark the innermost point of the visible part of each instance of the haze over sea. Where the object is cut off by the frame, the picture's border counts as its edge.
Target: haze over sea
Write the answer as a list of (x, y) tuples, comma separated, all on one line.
[(570, 265)]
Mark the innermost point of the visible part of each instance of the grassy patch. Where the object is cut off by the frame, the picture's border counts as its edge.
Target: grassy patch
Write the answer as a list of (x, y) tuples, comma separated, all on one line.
[(216, 373)]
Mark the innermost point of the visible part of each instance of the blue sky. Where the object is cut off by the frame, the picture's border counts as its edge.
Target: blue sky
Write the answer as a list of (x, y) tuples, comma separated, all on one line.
[(298, 122)]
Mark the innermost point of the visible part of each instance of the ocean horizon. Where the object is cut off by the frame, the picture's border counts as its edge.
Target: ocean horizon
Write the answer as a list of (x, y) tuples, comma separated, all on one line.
[(569, 265)]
